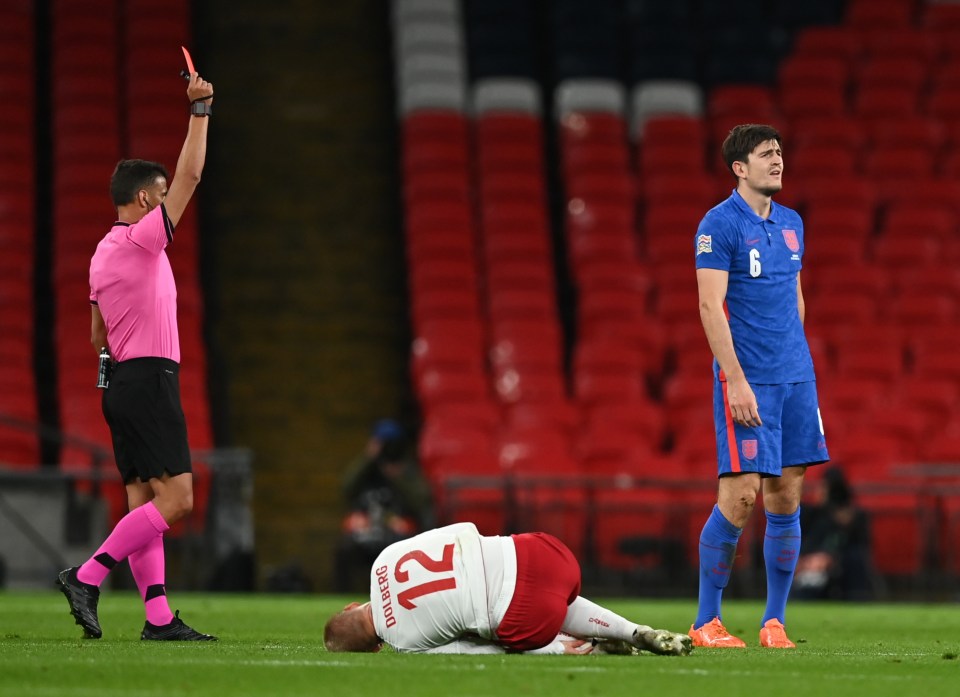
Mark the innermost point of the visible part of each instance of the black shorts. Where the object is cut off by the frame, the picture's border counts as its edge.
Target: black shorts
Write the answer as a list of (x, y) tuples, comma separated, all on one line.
[(142, 409)]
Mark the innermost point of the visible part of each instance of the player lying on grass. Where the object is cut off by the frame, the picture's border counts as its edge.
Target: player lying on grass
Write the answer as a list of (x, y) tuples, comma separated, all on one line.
[(451, 590)]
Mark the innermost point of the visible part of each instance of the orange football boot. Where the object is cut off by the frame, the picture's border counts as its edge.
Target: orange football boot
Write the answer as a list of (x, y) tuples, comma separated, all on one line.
[(774, 636), (714, 635)]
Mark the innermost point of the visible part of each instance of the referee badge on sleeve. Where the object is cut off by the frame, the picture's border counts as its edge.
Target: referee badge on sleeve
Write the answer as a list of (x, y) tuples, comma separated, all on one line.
[(704, 244)]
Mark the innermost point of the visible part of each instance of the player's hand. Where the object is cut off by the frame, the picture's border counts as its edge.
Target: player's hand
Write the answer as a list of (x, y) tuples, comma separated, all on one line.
[(198, 88), (743, 403), (577, 647)]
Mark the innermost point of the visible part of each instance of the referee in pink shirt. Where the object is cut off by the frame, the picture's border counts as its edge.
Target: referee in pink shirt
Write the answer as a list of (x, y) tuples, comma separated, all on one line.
[(134, 315)]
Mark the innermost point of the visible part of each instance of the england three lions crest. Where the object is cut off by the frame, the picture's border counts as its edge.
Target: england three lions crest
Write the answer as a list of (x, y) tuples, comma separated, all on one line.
[(790, 237)]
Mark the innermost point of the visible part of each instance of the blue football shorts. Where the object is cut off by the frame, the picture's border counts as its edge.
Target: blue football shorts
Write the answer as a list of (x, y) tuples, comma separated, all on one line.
[(792, 431)]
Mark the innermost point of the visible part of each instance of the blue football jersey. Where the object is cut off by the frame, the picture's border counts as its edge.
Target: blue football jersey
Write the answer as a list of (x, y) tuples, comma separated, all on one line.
[(763, 258)]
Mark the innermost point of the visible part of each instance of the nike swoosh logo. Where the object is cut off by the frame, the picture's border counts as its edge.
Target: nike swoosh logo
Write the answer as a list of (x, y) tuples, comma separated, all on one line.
[(753, 241)]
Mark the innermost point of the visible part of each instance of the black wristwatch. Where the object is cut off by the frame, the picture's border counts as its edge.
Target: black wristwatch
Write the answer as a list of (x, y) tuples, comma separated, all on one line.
[(200, 109)]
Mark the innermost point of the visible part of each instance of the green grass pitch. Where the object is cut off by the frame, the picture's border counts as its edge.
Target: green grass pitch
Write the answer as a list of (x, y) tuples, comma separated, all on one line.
[(272, 645)]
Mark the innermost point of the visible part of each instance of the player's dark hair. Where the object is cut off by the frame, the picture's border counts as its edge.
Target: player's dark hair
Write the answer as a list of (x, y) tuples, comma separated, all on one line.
[(130, 176), (742, 140)]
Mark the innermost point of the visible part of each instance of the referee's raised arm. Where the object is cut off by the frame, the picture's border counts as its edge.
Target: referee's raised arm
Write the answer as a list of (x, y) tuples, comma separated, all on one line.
[(194, 151)]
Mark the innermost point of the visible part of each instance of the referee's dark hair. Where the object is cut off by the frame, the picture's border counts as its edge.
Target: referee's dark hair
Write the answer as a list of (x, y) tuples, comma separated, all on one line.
[(742, 140), (130, 176)]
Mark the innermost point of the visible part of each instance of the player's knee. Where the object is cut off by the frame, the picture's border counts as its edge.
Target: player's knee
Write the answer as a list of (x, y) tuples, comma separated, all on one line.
[(180, 505)]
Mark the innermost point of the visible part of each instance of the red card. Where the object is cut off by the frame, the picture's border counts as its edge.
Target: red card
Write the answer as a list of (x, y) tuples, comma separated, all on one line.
[(186, 54)]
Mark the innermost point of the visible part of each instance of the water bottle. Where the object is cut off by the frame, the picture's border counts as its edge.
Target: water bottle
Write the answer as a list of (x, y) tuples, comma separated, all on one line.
[(103, 373)]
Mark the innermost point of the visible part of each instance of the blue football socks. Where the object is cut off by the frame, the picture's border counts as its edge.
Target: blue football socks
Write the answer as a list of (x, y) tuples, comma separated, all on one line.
[(718, 547), (781, 545)]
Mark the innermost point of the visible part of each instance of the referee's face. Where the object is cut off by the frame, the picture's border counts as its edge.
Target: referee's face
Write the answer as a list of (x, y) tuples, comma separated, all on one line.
[(764, 168), (153, 195)]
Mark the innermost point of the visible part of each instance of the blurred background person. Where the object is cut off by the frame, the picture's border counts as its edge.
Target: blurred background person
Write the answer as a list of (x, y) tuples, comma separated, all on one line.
[(834, 562), (388, 499)]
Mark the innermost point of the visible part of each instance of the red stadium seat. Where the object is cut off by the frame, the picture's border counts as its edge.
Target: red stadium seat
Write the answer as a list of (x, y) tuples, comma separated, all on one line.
[(828, 72), (520, 304), (879, 13), (899, 530), (645, 418), (912, 131), (671, 158), (509, 157), (903, 41), (876, 101), (446, 304), (726, 100), (622, 306), (801, 102), (447, 353), (673, 128), (849, 190), (514, 242), (612, 274), (933, 192), (817, 161), (518, 387), (596, 157), (899, 71), (526, 350), (521, 274), (437, 387), (937, 363), (591, 386), (851, 395), (508, 186), (451, 447), (669, 228), (434, 156), (864, 358), (919, 220), (614, 188), (826, 221), (601, 246), (896, 163), (697, 191), (944, 103), (428, 275), (829, 41), (561, 415), (582, 127), (435, 125), (898, 250)]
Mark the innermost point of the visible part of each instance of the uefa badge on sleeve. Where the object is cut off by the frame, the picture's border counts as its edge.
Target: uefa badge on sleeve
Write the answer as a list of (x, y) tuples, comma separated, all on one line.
[(704, 244)]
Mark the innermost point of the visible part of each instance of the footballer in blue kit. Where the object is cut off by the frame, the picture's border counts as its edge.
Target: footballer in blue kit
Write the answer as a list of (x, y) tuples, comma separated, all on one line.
[(749, 253)]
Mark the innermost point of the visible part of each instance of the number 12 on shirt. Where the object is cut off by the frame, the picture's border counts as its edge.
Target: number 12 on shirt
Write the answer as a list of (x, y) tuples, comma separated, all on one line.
[(438, 566)]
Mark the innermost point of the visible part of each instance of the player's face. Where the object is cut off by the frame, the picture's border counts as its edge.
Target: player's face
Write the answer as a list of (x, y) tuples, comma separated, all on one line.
[(764, 168)]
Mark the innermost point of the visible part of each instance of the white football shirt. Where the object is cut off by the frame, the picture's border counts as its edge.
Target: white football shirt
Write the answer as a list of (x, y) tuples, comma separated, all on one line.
[(432, 590)]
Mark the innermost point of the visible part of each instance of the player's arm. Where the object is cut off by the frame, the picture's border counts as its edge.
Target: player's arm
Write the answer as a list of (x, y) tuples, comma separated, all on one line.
[(801, 306), (98, 329), (712, 287), (193, 154)]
